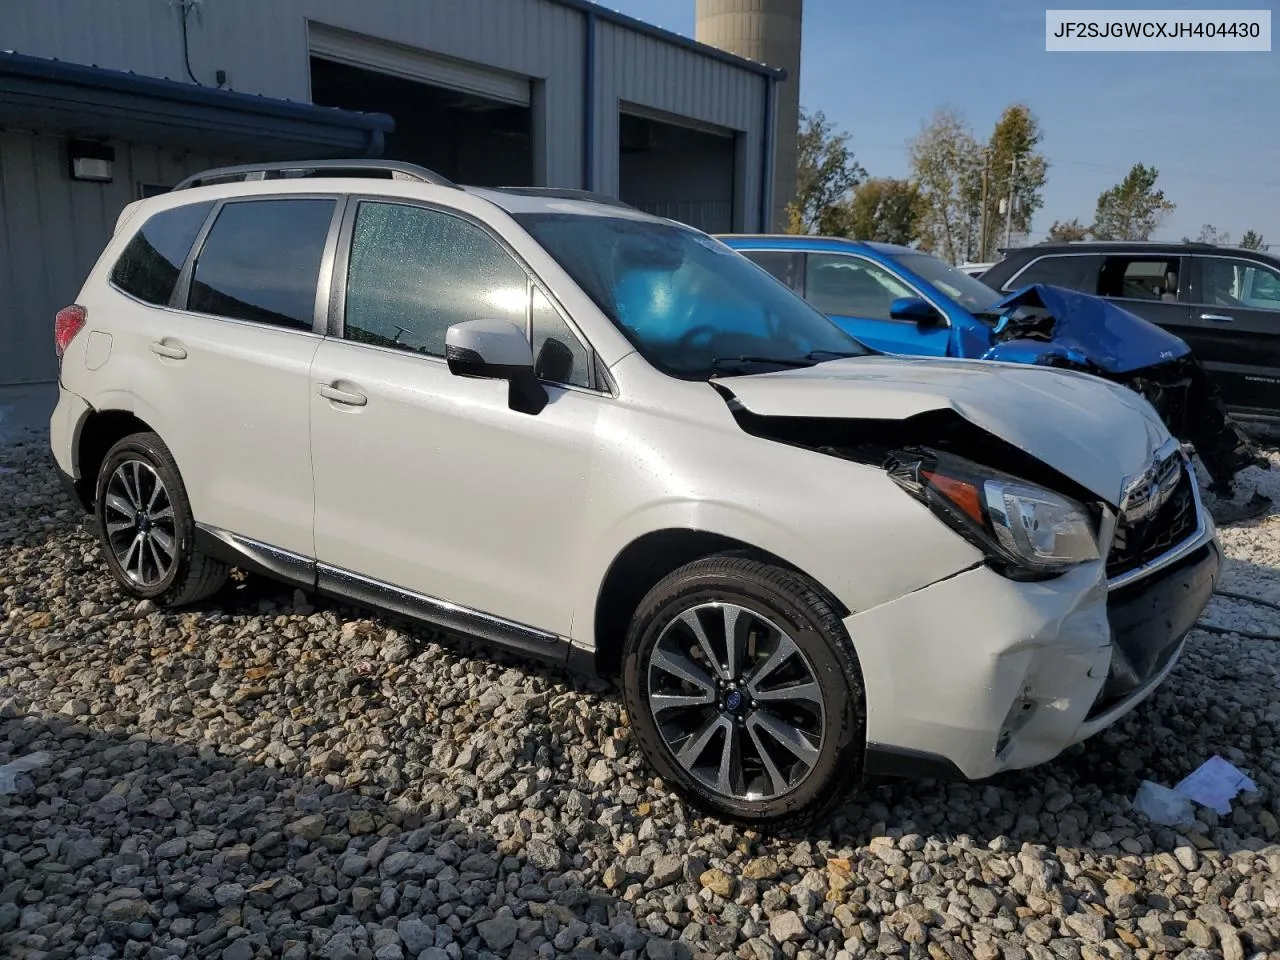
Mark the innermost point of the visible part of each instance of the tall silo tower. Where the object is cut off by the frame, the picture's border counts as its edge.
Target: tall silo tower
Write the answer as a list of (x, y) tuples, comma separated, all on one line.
[(767, 31)]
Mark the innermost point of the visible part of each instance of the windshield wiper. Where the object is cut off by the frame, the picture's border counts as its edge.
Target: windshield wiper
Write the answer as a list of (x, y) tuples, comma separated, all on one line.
[(719, 362), (820, 355)]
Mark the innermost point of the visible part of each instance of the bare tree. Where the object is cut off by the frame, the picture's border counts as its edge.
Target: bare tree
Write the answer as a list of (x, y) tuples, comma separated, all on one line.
[(946, 162)]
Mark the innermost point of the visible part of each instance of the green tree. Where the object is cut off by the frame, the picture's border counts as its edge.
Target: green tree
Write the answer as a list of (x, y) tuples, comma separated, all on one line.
[(826, 173), (1016, 136), (885, 210), (946, 163), (1252, 240), (1069, 231), (1133, 208)]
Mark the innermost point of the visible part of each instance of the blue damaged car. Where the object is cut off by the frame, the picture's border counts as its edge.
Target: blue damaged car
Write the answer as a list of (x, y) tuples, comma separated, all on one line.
[(898, 300)]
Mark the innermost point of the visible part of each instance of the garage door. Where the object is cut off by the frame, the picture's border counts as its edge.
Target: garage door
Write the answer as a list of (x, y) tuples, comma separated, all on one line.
[(682, 170), (412, 63)]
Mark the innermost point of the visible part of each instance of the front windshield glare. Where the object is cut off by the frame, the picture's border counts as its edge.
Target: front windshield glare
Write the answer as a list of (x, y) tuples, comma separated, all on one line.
[(970, 292), (692, 307)]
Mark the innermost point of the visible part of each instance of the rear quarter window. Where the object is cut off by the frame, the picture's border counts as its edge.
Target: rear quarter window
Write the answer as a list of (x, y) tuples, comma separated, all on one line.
[(1072, 272), (261, 261), (149, 266)]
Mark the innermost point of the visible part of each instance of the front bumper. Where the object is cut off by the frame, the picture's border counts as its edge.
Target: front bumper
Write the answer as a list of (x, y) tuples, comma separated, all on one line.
[(978, 674)]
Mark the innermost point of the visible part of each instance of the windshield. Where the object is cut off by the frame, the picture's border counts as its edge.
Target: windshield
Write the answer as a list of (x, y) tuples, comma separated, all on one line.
[(693, 308), (970, 292)]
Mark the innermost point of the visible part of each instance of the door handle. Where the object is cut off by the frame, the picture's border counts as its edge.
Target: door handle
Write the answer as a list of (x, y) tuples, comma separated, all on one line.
[(347, 397), (1217, 317), (170, 350)]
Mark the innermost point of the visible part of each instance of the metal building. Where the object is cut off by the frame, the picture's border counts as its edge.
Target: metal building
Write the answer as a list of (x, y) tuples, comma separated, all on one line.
[(103, 101)]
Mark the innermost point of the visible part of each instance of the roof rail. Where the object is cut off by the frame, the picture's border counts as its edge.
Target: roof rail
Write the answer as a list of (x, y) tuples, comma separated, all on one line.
[(562, 193), (383, 169), (1195, 244)]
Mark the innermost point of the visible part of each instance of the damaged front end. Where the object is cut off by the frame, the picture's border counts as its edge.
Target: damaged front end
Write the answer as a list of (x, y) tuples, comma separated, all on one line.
[(1060, 648), (1049, 326)]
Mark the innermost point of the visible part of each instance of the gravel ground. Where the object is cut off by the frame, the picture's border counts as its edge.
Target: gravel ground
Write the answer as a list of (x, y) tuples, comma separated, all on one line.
[(273, 776)]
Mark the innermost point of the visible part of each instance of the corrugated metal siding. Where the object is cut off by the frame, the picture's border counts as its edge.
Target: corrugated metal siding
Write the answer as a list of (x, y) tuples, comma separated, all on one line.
[(52, 229), (263, 49), (637, 69), (263, 46)]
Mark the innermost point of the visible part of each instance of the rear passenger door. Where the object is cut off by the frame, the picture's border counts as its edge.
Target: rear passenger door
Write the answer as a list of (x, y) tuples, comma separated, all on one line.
[(232, 363), (1235, 305), (786, 266)]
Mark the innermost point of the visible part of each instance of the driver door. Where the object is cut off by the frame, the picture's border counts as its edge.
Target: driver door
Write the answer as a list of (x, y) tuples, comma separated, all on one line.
[(856, 293), (429, 488)]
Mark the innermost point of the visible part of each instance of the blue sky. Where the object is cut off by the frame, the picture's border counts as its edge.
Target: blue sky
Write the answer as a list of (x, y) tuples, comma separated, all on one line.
[(1209, 121)]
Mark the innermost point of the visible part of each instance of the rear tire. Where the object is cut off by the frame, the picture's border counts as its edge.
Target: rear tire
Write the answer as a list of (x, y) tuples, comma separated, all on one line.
[(771, 734), (145, 524)]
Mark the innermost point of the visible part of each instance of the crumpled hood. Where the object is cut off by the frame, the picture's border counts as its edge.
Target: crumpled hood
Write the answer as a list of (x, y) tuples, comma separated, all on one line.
[(1095, 432), (1087, 330)]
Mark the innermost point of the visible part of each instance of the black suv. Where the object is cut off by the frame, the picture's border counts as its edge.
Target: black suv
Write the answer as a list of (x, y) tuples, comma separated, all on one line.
[(1223, 301)]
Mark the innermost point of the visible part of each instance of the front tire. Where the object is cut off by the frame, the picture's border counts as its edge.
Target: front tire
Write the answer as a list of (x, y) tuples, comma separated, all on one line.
[(145, 524), (745, 692)]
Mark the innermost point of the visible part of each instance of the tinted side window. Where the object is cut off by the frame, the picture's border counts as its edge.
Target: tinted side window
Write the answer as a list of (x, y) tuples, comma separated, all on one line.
[(1239, 283), (415, 272), (851, 286), (149, 266), (786, 267), (261, 261), (1139, 278), (1072, 273), (558, 355)]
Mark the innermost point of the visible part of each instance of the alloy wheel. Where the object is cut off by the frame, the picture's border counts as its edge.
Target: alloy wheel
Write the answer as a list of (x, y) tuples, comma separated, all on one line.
[(736, 701), (141, 529)]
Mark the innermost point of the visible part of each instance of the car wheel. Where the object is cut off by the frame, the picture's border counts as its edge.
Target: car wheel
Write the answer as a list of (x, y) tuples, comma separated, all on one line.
[(744, 691), (145, 524)]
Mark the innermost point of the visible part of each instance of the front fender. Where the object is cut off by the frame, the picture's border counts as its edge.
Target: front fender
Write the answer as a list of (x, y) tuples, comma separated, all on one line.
[(902, 549)]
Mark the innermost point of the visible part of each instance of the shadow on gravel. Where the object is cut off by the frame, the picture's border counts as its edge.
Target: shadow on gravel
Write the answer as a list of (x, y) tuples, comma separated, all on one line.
[(1080, 800), (122, 838), (274, 741)]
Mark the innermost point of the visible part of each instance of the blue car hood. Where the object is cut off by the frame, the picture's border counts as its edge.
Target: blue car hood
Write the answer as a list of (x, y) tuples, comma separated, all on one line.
[(1084, 329)]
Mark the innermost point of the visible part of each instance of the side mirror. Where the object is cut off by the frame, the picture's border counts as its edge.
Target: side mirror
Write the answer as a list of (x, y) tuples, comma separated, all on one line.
[(496, 350), (915, 310)]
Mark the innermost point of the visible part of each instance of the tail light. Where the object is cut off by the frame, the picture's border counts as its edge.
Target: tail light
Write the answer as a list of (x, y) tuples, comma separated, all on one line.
[(68, 322)]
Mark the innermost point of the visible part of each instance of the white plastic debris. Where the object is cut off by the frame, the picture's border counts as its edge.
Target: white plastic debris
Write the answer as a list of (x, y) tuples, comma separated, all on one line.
[(1214, 784), (1169, 808), (9, 771)]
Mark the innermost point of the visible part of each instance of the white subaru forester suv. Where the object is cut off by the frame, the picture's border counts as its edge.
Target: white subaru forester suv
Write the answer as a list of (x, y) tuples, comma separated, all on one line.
[(604, 439)]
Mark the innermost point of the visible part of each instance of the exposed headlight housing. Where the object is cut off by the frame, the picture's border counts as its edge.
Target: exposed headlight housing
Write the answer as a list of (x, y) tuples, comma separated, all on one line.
[(1026, 531)]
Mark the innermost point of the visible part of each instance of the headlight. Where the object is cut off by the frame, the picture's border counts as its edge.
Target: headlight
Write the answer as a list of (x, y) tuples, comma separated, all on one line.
[(1026, 531)]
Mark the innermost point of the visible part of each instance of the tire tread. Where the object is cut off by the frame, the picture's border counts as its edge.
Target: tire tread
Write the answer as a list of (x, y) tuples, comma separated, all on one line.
[(200, 576), (802, 592)]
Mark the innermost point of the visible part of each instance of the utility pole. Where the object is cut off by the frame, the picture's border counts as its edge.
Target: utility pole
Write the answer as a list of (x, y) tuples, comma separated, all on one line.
[(1008, 217), (982, 230)]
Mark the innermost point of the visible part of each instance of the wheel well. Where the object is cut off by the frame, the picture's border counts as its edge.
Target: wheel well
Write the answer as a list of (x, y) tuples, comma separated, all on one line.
[(100, 432), (644, 562)]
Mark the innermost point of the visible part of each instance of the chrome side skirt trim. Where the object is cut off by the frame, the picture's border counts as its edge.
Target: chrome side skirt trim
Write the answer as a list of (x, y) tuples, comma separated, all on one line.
[(442, 613), (347, 585)]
